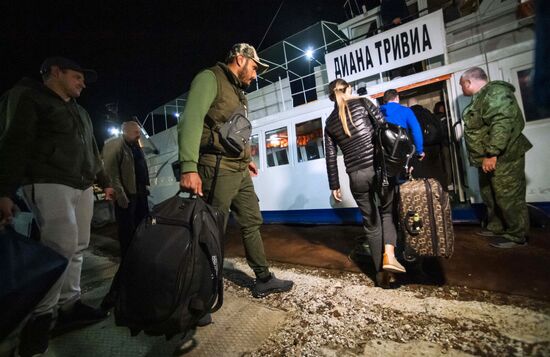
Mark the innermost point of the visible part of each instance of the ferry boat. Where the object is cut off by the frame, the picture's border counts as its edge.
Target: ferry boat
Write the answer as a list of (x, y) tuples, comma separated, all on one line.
[(422, 58)]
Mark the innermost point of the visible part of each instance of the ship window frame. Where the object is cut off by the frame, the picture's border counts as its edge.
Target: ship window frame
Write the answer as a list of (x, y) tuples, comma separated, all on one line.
[(260, 161), (525, 92), (321, 151), (274, 159)]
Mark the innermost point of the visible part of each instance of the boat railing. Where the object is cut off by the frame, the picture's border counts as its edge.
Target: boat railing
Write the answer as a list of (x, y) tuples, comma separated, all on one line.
[(311, 84)]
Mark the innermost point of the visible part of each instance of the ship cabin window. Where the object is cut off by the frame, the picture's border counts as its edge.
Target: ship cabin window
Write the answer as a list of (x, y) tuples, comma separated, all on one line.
[(309, 140), (368, 29), (276, 145), (255, 149), (531, 110)]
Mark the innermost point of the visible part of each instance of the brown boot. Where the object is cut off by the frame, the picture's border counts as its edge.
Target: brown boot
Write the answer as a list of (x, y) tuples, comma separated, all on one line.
[(392, 265)]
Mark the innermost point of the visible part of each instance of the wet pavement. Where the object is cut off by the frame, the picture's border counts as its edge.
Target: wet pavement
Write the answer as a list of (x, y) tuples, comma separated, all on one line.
[(521, 271), (334, 308)]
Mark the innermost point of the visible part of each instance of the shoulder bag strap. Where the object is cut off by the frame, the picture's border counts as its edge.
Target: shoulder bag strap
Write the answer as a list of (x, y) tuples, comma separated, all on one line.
[(214, 180), (377, 121)]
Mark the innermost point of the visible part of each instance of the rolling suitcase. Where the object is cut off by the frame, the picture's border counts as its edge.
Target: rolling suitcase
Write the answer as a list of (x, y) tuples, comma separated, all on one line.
[(171, 275), (425, 219)]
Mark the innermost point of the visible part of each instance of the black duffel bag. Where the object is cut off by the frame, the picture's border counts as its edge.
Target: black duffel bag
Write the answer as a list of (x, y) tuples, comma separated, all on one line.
[(28, 270), (171, 275)]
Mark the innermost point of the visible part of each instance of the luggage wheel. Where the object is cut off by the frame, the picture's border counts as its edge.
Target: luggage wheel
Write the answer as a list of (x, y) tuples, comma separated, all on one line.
[(409, 257)]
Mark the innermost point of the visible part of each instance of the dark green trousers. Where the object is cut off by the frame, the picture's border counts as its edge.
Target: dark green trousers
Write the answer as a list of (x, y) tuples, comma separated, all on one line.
[(235, 191), (503, 192)]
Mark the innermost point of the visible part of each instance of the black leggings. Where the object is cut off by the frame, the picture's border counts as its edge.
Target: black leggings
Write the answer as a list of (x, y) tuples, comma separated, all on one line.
[(377, 230)]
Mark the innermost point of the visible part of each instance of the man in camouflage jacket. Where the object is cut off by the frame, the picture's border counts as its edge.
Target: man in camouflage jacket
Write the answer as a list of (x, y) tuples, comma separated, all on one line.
[(493, 125)]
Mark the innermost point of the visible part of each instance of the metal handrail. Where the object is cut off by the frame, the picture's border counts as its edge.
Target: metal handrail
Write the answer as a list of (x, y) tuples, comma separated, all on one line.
[(320, 70)]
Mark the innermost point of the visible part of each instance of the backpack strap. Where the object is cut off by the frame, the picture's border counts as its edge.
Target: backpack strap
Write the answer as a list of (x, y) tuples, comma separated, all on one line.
[(383, 172), (377, 121), (376, 117)]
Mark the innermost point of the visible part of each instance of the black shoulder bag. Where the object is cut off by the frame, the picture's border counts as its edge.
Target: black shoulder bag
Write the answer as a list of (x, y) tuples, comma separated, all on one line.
[(235, 132), (233, 135)]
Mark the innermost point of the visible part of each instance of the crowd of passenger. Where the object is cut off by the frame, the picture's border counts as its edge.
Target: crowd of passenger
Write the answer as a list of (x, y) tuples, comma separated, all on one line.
[(50, 157)]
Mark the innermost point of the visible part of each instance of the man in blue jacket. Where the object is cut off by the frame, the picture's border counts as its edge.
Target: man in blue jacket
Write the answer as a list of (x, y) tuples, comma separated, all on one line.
[(398, 114)]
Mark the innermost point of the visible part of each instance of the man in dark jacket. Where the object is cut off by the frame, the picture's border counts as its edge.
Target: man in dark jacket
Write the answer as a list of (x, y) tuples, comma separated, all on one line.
[(493, 125), (432, 134), (126, 165), (216, 93), (393, 12), (47, 147)]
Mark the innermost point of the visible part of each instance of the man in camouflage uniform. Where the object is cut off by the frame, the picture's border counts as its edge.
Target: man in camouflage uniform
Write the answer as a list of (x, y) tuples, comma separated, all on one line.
[(493, 125)]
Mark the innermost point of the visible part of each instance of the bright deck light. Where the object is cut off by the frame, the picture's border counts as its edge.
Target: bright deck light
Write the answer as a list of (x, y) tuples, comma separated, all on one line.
[(114, 131), (309, 53)]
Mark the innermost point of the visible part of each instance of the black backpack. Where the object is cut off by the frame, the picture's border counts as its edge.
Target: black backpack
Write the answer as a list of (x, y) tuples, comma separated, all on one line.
[(393, 145), (396, 147), (171, 275)]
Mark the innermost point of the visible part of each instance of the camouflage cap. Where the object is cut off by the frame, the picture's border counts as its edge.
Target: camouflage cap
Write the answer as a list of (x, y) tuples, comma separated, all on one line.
[(250, 52)]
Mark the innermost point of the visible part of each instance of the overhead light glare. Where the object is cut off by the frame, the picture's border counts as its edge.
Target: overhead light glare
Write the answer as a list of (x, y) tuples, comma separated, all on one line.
[(114, 131)]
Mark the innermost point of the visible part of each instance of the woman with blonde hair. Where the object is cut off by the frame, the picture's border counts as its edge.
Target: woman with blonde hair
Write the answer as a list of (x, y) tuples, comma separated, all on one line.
[(351, 126)]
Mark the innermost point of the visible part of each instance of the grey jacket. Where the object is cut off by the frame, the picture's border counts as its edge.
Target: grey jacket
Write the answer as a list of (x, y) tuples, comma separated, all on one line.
[(119, 165)]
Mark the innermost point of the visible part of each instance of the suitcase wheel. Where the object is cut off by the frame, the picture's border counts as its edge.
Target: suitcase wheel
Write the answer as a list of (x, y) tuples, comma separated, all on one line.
[(409, 257)]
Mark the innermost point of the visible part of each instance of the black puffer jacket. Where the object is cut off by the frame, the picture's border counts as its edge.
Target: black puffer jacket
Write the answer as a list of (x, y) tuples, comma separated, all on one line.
[(358, 149)]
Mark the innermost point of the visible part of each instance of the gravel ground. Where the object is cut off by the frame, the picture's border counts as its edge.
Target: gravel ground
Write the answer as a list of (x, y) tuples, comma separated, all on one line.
[(343, 314)]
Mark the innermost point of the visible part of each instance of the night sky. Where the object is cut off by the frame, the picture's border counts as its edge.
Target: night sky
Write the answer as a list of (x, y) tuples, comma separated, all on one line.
[(146, 53)]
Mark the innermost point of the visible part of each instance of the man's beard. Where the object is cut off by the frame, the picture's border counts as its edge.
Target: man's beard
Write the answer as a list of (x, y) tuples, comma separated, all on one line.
[(241, 75)]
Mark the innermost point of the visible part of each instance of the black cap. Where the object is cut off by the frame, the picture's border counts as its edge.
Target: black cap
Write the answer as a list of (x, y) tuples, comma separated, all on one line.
[(90, 75)]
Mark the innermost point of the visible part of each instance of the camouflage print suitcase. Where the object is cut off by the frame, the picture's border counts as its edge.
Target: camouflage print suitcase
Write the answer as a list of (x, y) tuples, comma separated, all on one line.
[(425, 219)]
